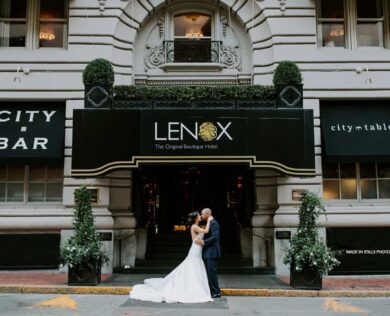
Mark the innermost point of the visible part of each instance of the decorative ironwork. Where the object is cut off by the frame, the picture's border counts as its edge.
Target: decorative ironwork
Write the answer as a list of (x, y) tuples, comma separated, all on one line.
[(192, 51)]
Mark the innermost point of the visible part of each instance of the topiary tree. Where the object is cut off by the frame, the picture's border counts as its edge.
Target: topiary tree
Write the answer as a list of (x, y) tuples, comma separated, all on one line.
[(85, 245), (99, 72), (307, 249), (287, 72)]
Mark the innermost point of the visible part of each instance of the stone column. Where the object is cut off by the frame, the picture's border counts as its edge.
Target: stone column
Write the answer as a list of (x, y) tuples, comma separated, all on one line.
[(262, 218), (286, 216), (125, 243)]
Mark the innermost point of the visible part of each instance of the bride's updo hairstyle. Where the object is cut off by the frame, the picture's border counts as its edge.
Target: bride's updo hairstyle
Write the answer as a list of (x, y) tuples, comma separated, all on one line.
[(191, 217)]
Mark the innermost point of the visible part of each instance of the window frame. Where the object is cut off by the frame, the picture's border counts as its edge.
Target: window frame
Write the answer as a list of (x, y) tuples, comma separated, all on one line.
[(26, 187), (33, 23), (358, 178), (351, 23), (25, 20)]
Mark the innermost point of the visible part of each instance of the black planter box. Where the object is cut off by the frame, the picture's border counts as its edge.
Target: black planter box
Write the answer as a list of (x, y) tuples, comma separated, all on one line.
[(97, 96), (171, 104), (132, 104), (215, 104), (254, 104), (289, 95), (85, 274), (306, 279)]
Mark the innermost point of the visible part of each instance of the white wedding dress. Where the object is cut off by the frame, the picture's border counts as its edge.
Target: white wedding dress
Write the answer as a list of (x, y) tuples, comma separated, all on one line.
[(187, 283)]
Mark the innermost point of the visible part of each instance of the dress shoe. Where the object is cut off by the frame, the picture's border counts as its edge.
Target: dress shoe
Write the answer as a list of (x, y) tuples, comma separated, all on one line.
[(215, 295)]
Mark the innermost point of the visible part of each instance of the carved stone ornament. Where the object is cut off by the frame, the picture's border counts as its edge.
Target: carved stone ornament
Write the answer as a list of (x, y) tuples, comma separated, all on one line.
[(224, 22), (102, 3), (229, 56), (154, 56), (160, 24)]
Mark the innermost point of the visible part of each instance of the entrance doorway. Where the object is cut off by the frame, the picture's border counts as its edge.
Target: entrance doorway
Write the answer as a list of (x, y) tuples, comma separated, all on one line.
[(163, 196)]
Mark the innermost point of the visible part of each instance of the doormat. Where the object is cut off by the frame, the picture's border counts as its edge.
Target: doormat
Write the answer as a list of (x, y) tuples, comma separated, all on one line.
[(219, 303)]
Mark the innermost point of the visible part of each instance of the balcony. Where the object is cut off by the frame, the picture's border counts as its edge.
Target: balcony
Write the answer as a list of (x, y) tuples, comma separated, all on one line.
[(192, 54)]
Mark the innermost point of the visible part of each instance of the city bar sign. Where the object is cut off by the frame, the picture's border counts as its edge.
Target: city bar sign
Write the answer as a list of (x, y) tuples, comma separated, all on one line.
[(32, 130), (107, 140)]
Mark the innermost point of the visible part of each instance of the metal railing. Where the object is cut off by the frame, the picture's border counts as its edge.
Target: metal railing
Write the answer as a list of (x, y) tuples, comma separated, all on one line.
[(192, 51)]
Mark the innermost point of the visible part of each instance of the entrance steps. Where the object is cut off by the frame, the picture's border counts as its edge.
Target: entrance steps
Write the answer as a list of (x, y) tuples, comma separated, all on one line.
[(166, 251)]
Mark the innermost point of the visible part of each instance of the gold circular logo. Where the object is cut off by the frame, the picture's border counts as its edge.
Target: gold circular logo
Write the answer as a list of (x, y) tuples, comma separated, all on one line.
[(207, 131)]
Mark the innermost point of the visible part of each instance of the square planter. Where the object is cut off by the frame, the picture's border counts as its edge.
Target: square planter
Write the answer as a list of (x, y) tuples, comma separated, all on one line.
[(255, 104), (85, 274), (289, 95), (215, 104), (171, 104), (306, 279), (132, 104), (98, 96)]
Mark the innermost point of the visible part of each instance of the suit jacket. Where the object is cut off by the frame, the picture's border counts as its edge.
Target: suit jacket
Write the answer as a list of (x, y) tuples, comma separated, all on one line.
[(211, 248)]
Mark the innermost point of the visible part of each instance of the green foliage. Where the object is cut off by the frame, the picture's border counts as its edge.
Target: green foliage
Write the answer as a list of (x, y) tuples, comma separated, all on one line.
[(85, 245), (99, 71), (306, 248), (194, 93), (287, 72)]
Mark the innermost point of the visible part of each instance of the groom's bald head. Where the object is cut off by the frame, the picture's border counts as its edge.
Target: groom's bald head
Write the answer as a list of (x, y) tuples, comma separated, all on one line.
[(206, 213)]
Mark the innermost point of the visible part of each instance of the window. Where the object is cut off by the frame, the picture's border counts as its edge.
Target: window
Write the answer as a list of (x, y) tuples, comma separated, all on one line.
[(13, 23), (34, 183), (356, 181), (331, 23), (192, 37), (33, 23), (352, 23)]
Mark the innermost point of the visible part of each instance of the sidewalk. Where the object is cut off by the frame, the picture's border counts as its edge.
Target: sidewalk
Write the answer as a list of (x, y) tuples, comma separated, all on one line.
[(51, 281)]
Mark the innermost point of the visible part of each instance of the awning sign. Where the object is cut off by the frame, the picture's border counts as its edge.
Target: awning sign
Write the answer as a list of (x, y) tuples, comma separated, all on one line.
[(106, 140), (32, 130), (356, 131)]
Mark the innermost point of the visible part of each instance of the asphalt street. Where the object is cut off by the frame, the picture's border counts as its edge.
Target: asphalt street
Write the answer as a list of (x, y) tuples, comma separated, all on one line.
[(102, 305)]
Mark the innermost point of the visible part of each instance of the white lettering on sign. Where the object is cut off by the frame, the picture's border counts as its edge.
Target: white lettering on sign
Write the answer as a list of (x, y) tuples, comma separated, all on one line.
[(177, 131), (6, 116), (35, 143), (373, 127)]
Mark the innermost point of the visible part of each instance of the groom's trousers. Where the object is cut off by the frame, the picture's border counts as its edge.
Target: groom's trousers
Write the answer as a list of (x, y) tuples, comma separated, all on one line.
[(212, 275)]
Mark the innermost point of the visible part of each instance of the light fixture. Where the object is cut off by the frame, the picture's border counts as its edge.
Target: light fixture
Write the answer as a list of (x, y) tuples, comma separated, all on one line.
[(194, 30), (192, 34), (47, 36)]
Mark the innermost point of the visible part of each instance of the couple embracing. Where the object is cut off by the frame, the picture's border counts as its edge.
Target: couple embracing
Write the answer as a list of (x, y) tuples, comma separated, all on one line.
[(195, 280)]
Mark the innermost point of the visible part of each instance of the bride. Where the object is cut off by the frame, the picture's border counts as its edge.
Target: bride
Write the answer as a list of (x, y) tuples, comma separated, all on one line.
[(187, 283)]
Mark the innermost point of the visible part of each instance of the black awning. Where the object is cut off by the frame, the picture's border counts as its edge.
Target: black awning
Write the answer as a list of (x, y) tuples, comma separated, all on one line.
[(279, 139), (356, 131)]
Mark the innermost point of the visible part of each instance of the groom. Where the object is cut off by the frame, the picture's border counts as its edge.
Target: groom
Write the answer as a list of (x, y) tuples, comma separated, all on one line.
[(211, 252)]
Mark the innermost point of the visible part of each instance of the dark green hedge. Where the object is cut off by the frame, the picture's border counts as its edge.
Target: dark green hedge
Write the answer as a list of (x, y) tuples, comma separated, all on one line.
[(287, 72), (194, 93), (98, 71)]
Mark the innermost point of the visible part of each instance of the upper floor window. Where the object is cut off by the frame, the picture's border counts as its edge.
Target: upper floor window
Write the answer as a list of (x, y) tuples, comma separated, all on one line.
[(356, 181), (33, 183), (352, 23), (192, 37), (33, 23)]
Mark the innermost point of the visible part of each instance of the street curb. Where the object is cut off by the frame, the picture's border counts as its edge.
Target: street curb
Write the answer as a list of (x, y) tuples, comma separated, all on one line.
[(116, 290)]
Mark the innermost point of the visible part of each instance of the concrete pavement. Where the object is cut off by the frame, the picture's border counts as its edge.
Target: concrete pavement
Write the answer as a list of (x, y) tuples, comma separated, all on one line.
[(46, 282)]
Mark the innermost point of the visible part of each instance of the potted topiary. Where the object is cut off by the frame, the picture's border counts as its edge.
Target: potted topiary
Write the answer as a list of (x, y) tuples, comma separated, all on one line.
[(98, 78), (288, 84), (309, 257), (82, 252)]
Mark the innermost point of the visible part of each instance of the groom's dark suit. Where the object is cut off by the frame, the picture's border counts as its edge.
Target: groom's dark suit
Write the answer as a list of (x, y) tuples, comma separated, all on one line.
[(211, 253)]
